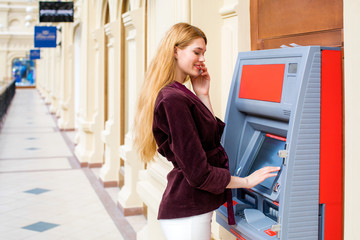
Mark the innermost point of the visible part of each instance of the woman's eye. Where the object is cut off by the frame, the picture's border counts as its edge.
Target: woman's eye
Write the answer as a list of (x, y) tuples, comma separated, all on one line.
[(196, 53)]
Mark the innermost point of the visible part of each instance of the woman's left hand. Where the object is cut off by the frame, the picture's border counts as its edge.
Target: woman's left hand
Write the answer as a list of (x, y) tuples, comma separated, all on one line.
[(201, 82)]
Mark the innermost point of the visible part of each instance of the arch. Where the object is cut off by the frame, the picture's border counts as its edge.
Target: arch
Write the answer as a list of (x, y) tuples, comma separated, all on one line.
[(10, 57), (15, 54), (126, 5), (105, 13), (14, 23), (106, 20), (119, 8), (23, 71), (101, 13)]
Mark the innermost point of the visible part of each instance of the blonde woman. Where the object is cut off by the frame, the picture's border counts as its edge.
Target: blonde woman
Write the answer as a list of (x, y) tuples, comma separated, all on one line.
[(182, 127)]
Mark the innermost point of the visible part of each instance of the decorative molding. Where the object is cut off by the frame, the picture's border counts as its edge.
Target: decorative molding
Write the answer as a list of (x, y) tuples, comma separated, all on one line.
[(130, 211), (77, 11), (129, 26), (18, 34), (132, 36), (108, 184), (228, 11), (135, 4), (15, 54), (86, 126), (110, 34), (127, 20), (19, 8), (96, 39), (95, 165), (77, 23), (10, 42)]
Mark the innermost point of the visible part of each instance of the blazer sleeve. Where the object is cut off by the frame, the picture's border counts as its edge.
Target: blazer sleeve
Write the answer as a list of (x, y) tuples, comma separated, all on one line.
[(175, 117)]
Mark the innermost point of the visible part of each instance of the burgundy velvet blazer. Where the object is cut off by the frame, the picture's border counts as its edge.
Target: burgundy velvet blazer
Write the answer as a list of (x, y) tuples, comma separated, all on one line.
[(188, 135)]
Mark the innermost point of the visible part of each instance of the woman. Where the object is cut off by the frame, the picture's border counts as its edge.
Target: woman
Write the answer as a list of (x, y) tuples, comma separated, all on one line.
[(182, 127)]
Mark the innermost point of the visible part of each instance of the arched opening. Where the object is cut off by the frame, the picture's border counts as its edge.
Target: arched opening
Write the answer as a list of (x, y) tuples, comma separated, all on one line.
[(23, 72), (123, 85), (76, 67), (106, 20), (123, 88), (106, 66)]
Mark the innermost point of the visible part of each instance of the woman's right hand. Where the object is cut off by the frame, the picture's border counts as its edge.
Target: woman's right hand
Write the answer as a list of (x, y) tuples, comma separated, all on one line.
[(253, 179), (260, 175)]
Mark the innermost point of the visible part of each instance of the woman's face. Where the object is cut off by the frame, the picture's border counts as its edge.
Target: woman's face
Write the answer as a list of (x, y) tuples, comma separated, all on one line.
[(190, 59)]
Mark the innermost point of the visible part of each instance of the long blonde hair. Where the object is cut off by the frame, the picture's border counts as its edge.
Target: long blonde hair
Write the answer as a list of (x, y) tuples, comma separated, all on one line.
[(160, 73)]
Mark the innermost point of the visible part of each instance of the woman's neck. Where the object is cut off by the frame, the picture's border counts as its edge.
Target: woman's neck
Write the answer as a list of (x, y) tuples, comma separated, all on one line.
[(179, 76)]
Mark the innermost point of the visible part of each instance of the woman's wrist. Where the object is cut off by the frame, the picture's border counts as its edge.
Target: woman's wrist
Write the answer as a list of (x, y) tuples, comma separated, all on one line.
[(238, 182), (205, 98)]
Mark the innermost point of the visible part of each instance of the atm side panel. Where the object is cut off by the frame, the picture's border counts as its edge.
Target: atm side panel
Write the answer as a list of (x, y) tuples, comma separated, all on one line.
[(300, 200)]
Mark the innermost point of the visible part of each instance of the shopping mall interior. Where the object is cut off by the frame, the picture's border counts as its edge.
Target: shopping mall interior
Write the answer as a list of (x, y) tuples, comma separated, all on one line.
[(69, 88)]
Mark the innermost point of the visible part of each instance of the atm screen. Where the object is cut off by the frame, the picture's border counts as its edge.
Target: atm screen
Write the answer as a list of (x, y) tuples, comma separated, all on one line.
[(262, 82), (267, 155)]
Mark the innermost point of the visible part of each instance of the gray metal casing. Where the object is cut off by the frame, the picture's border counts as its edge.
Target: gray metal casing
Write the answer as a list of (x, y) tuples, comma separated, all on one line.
[(297, 118)]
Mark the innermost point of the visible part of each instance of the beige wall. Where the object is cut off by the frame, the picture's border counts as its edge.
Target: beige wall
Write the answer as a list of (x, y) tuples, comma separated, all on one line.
[(352, 117)]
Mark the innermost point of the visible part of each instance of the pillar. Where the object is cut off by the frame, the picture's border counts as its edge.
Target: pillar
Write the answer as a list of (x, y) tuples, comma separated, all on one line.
[(109, 173), (128, 199), (66, 100), (85, 137)]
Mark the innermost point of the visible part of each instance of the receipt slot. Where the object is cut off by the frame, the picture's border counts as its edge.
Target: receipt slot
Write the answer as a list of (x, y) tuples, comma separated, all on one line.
[(285, 109)]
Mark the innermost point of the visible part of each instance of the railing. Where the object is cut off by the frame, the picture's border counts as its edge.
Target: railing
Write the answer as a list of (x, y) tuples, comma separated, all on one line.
[(7, 92)]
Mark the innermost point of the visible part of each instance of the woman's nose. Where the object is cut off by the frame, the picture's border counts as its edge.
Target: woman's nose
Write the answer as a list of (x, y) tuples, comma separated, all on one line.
[(202, 58)]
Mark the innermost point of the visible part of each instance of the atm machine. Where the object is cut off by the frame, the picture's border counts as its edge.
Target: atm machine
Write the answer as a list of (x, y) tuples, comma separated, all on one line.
[(285, 109)]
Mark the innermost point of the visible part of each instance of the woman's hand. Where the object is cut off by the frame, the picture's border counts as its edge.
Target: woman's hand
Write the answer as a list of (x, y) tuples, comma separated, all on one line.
[(201, 82), (253, 179), (260, 175), (201, 86)]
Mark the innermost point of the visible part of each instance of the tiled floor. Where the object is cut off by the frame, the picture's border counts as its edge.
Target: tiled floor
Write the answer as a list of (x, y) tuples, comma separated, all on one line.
[(43, 192)]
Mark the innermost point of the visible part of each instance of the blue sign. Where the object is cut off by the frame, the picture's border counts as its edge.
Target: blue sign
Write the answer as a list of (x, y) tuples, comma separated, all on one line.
[(45, 37), (34, 54)]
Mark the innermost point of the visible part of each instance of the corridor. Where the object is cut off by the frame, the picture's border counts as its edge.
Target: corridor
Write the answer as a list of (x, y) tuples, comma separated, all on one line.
[(44, 194)]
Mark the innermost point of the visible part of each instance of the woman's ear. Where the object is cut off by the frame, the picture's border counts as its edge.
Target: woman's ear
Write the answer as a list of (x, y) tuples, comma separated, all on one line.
[(175, 52)]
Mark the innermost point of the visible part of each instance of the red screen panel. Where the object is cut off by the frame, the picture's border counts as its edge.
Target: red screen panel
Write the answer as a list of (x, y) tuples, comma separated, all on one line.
[(262, 82)]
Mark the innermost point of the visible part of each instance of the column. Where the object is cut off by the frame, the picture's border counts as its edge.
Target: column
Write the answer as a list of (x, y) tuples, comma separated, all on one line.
[(96, 158), (58, 59), (128, 199), (85, 137), (230, 15), (66, 101), (54, 80), (40, 74), (109, 173), (47, 75), (4, 40)]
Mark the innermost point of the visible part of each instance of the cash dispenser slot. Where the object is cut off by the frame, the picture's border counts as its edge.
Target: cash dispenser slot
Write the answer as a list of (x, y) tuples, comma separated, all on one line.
[(248, 197), (271, 210)]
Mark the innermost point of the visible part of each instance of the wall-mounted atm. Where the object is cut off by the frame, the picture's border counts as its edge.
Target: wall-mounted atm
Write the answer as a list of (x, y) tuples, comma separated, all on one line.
[(285, 109)]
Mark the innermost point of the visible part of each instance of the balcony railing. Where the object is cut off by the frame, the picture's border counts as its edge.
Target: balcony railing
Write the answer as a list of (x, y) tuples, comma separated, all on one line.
[(7, 92)]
